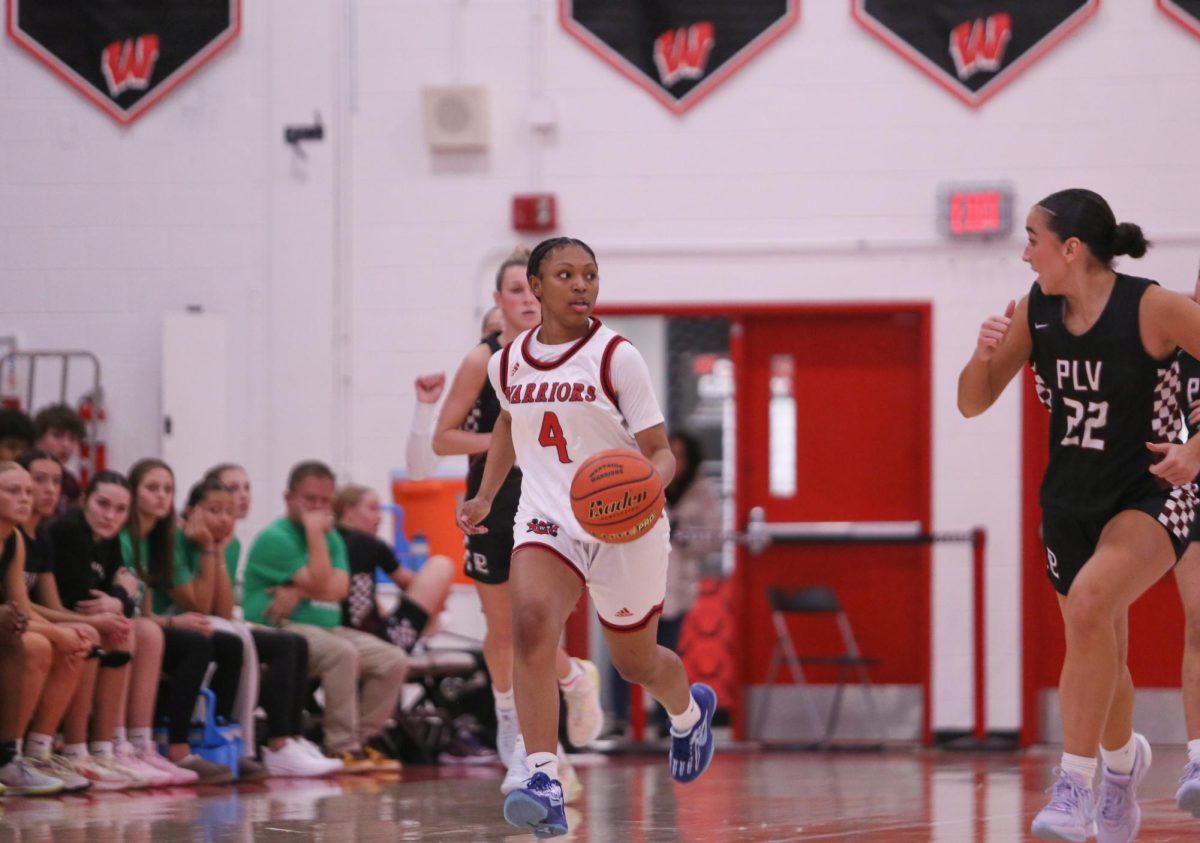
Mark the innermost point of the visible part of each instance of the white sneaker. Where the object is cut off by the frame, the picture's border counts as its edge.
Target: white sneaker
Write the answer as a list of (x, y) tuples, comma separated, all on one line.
[(585, 716), (59, 767), (102, 777), (295, 761), (572, 787), (20, 778), (311, 749), (113, 764), (517, 773), (179, 776), (508, 730), (152, 775)]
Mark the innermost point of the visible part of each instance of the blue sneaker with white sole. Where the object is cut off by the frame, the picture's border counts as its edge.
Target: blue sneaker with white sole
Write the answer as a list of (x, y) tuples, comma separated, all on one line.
[(538, 806), (692, 752)]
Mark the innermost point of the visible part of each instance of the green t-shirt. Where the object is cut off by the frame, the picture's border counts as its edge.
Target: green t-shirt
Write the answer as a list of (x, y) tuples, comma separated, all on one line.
[(278, 552), (126, 539), (187, 567)]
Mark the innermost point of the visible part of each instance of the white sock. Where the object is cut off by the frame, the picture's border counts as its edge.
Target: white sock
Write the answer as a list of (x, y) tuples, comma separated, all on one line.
[(683, 722), (1080, 765), (20, 742), (39, 746), (1194, 750), (504, 699), (142, 739), (119, 735), (75, 750), (1120, 761), (542, 762), (101, 748), (574, 673)]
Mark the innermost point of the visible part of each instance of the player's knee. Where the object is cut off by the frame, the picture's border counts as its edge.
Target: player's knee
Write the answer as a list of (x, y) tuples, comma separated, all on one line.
[(1087, 611), (635, 669), (533, 628)]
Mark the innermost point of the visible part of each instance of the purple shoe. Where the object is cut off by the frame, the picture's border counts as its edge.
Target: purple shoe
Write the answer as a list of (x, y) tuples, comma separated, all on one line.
[(1070, 814), (1118, 816)]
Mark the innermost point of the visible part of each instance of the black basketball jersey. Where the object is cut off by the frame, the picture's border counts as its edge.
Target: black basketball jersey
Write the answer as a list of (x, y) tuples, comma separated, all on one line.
[(482, 419), (1189, 389), (1107, 398)]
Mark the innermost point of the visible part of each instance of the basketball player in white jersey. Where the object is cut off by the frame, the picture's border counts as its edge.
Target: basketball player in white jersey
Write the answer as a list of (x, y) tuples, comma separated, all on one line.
[(568, 389)]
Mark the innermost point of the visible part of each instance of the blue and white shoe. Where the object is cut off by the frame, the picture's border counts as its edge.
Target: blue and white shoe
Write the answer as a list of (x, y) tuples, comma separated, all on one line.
[(692, 752), (538, 806)]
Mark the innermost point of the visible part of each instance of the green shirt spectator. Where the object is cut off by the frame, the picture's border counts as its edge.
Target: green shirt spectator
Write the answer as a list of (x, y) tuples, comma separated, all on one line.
[(278, 552)]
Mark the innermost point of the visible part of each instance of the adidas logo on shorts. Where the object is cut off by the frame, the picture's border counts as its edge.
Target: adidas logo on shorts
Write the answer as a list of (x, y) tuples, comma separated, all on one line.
[(624, 613)]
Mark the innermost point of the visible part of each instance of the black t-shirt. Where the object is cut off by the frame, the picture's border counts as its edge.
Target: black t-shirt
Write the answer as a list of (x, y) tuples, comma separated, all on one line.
[(80, 563), (1189, 389), (36, 561), (364, 553), (1107, 398), (7, 554)]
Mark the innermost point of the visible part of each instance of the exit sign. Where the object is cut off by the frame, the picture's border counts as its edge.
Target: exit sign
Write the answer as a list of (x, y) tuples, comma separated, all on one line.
[(975, 212)]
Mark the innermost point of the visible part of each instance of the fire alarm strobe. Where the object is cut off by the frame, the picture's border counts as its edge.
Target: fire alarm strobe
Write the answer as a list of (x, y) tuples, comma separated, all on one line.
[(534, 212)]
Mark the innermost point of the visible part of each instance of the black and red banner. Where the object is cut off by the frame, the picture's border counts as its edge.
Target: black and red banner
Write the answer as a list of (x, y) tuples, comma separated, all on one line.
[(972, 48), (123, 55), (1184, 12), (678, 50)]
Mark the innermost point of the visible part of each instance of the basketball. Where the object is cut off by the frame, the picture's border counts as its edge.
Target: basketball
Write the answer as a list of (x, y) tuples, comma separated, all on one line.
[(617, 495)]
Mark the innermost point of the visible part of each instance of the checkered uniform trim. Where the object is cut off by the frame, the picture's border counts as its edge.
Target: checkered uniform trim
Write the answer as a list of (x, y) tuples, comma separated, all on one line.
[(361, 599), (1167, 421), (1043, 392), (1179, 511)]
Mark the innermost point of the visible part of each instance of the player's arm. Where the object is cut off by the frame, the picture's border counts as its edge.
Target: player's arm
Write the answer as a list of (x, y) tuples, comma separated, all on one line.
[(1002, 348), (448, 435), (1168, 321), (654, 446)]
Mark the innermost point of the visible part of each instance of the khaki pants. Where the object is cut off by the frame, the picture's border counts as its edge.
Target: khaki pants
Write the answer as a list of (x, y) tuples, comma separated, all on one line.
[(345, 659)]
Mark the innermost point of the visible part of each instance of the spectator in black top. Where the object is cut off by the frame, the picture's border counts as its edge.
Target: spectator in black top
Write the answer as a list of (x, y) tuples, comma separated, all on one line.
[(16, 433), (356, 509), (59, 430)]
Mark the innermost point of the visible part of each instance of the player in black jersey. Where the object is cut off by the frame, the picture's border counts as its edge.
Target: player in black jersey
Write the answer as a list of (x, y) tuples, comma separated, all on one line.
[(1103, 348), (464, 426)]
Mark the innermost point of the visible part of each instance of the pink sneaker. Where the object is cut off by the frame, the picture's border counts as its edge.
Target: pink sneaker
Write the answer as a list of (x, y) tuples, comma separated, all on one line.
[(130, 760), (179, 776)]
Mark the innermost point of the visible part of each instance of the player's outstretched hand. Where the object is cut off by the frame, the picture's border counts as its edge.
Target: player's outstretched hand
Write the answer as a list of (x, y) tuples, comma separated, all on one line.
[(471, 514), (992, 332), (1175, 463)]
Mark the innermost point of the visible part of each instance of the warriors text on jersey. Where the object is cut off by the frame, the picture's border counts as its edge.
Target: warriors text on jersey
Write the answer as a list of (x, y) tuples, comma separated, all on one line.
[(1107, 398), (568, 402)]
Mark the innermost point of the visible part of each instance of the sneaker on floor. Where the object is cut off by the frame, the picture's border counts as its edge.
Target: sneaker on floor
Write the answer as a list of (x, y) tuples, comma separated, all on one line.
[(465, 749), (179, 776), (293, 760), (1070, 814), (251, 770), (59, 767), (516, 773), (585, 716), (692, 752), (537, 806), (379, 762), (207, 771), (1118, 815), (507, 732), (147, 772), (315, 751), (354, 761), (114, 765), (1188, 795), (20, 778), (572, 787), (102, 777)]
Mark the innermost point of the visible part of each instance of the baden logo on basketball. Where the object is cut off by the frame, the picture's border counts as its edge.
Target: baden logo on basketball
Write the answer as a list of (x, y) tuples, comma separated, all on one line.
[(617, 495)]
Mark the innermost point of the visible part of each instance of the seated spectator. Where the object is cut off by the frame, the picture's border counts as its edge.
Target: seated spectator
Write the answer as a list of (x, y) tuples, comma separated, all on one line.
[(16, 433), (234, 478), (203, 550), (296, 577), (83, 555), (59, 429), (190, 644), (13, 624), (356, 509), (53, 656)]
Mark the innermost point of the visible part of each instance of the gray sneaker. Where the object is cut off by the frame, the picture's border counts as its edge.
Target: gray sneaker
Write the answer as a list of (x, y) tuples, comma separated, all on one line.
[(1119, 817), (208, 772), (252, 770), (1069, 816), (20, 778), (1188, 795)]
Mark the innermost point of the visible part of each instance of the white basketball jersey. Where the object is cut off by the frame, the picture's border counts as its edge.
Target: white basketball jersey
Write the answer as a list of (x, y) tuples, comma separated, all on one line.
[(592, 396)]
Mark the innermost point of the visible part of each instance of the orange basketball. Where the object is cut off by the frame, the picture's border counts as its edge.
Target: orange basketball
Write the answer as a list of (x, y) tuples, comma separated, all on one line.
[(617, 495)]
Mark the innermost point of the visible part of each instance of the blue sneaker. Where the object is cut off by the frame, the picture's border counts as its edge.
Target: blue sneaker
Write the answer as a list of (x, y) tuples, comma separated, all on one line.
[(537, 806), (691, 753)]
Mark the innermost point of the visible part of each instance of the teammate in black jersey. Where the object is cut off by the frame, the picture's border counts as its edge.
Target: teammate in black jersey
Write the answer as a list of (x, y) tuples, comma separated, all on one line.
[(1103, 347)]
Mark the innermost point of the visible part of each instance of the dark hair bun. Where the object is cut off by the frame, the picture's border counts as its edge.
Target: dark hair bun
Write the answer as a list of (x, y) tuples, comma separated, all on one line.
[(1127, 239)]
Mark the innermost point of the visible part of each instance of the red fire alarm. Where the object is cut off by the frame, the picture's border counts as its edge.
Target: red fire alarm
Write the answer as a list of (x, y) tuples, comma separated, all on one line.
[(534, 212)]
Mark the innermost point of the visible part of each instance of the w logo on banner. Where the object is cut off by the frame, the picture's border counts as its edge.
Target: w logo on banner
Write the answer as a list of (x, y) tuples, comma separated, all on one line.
[(979, 45), (129, 64), (683, 53), (123, 55), (973, 48), (678, 50)]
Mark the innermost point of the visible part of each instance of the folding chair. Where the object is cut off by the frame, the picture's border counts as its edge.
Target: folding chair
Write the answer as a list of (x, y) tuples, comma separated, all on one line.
[(814, 601)]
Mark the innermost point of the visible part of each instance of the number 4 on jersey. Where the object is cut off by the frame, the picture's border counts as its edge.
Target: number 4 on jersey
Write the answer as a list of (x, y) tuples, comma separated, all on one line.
[(552, 436)]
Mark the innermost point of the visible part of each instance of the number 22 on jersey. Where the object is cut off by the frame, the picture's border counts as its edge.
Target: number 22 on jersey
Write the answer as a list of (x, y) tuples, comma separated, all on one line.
[(552, 436)]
